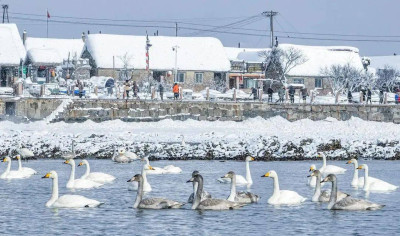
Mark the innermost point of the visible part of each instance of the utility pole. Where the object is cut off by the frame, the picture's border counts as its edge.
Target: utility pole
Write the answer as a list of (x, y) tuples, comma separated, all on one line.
[(5, 13), (271, 15), (175, 49), (176, 29)]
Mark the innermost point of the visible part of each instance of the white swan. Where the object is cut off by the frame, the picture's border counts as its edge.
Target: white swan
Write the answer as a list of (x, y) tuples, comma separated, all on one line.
[(124, 156), (12, 174), (204, 194), (79, 183), (348, 203), (25, 152), (323, 196), (240, 180), (98, 177), (151, 203), (210, 203), (67, 201), (358, 182), (26, 170), (312, 181), (329, 169), (146, 185), (243, 197), (169, 169), (377, 184), (282, 197)]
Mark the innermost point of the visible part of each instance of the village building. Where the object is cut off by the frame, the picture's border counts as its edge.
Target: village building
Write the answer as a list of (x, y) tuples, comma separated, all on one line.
[(50, 57), (193, 62), (249, 65), (12, 54)]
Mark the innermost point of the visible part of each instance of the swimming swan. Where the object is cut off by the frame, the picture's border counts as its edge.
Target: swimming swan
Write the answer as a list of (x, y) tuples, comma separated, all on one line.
[(204, 194), (243, 197), (347, 203), (26, 170), (377, 184), (25, 152), (146, 185), (12, 174), (240, 180), (210, 203), (67, 201), (151, 203), (79, 183), (282, 197), (98, 177), (323, 196), (312, 181), (124, 156), (170, 169), (329, 169), (358, 182)]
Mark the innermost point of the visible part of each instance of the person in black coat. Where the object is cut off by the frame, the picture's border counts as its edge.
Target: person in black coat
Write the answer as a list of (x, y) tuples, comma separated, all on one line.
[(291, 93), (369, 95), (254, 92), (161, 91), (349, 96), (270, 92)]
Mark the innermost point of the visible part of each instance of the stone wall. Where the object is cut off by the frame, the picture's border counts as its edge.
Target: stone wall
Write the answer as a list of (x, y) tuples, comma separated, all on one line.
[(30, 108)]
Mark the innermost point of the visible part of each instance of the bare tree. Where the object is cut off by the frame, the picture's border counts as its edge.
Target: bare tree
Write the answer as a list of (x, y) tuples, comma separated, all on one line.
[(280, 61), (342, 77), (386, 78), (126, 66)]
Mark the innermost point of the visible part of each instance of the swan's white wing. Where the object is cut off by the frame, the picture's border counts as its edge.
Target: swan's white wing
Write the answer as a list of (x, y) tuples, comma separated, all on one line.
[(331, 169), (17, 175), (29, 171), (156, 171), (131, 155), (288, 197), (170, 169), (85, 184), (25, 152), (100, 177), (75, 201), (240, 180), (380, 185)]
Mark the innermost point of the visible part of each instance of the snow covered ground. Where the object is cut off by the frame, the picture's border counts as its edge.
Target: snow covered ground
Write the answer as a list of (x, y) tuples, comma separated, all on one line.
[(267, 139)]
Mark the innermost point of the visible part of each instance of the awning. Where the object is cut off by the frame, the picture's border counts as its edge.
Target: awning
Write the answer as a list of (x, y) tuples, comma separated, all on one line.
[(246, 75)]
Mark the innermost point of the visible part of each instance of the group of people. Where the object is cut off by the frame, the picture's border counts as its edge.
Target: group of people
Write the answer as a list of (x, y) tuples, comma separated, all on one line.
[(128, 87), (281, 93), (71, 85)]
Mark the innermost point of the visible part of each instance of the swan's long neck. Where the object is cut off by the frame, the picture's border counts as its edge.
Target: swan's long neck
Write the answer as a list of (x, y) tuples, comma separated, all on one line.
[(355, 174), (19, 164), (195, 187), (248, 174), (71, 180), (139, 195), (147, 161), (197, 198), (87, 170), (333, 198), (323, 161), (54, 194), (317, 191), (276, 186), (233, 189), (366, 178), (7, 169)]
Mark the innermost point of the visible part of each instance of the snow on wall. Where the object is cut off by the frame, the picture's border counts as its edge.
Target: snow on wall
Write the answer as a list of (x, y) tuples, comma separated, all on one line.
[(194, 53), (11, 47), (53, 51)]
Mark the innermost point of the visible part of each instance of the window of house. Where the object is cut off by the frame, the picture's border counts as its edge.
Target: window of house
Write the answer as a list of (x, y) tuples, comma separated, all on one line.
[(298, 81), (198, 78), (318, 82), (249, 83), (180, 78)]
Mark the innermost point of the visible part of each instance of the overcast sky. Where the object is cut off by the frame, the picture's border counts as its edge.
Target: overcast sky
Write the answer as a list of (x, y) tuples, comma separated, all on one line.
[(338, 17)]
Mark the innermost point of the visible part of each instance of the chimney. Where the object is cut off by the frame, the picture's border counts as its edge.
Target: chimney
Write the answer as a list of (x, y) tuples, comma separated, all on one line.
[(88, 32), (100, 32), (24, 37), (83, 36), (239, 45)]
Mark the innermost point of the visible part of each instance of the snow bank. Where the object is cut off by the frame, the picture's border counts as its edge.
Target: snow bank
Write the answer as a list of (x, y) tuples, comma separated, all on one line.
[(269, 139)]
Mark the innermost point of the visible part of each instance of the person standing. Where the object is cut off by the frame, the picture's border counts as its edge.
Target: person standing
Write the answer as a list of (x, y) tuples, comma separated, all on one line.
[(291, 93), (363, 91), (270, 92), (161, 90), (381, 95), (349, 96), (281, 94), (175, 90), (369, 95), (135, 88), (254, 92), (304, 94), (80, 88), (127, 88)]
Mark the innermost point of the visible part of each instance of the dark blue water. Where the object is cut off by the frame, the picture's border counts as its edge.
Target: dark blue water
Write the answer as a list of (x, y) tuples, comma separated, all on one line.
[(23, 211)]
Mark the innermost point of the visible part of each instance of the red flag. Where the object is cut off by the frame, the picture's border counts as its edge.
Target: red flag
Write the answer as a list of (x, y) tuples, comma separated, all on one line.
[(48, 14)]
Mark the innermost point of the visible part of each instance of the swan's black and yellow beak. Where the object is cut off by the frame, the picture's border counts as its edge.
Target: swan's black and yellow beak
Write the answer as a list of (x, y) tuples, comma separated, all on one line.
[(311, 169), (308, 176), (80, 164), (18, 157), (66, 162), (266, 175), (190, 180), (319, 155), (359, 167), (324, 180), (151, 168), (46, 176), (349, 162), (4, 160), (252, 158)]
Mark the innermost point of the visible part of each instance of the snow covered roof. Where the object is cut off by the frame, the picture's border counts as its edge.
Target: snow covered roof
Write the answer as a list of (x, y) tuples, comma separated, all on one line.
[(318, 57), (52, 51), (11, 48), (194, 53), (379, 62)]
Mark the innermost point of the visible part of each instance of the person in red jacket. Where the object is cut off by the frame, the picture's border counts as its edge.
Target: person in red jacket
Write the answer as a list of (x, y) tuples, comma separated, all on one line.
[(175, 90)]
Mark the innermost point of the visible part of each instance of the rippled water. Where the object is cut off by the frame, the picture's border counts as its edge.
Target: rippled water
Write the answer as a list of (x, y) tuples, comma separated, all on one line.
[(23, 211)]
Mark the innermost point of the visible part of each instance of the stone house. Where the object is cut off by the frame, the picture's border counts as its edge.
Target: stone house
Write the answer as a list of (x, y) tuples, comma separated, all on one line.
[(12, 54), (193, 62), (252, 65), (46, 55)]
